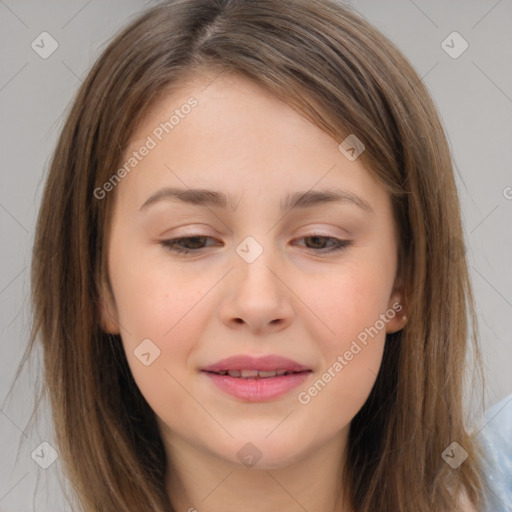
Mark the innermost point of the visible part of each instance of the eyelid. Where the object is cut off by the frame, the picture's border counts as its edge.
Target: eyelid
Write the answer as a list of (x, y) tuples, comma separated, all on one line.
[(339, 243)]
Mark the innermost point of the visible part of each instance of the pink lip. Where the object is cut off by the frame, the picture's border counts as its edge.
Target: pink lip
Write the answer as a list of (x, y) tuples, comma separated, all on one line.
[(263, 363), (257, 389)]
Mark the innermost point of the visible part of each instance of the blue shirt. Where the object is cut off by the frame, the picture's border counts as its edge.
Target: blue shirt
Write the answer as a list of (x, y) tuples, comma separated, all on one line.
[(496, 438)]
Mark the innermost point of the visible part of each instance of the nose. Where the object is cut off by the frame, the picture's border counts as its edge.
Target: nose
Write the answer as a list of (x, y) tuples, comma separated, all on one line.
[(257, 297)]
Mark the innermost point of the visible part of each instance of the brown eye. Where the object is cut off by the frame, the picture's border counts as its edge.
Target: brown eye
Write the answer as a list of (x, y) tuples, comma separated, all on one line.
[(325, 243), (191, 243)]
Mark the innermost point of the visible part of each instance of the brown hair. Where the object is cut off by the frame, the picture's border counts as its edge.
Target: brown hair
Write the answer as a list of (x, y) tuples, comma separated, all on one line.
[(347, 78)]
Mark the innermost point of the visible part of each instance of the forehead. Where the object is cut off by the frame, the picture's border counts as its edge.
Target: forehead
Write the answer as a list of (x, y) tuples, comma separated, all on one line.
[(227, 133)]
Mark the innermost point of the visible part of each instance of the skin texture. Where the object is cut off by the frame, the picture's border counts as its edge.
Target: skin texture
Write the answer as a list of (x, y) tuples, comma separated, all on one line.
[(296, 299)]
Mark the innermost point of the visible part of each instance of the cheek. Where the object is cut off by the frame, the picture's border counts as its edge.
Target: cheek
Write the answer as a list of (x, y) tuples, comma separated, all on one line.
[(151, 296), (345, 303), (350, 330), (158, 315)]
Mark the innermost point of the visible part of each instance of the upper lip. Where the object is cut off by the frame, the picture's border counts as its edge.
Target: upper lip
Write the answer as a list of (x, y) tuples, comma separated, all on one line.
[(263, 363)]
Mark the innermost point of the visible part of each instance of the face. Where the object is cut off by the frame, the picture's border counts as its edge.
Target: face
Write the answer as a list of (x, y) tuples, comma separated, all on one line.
[(250, 268)]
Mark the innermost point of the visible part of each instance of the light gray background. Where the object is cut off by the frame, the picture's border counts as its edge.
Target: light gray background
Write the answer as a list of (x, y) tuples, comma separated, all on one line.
[(474, 97)]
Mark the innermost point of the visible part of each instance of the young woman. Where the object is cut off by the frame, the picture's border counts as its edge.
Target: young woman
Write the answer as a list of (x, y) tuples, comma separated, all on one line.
[(248, 275)]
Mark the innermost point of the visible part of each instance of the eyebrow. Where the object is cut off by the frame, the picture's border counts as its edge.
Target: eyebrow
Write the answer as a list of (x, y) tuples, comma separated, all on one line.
[(212, 198)]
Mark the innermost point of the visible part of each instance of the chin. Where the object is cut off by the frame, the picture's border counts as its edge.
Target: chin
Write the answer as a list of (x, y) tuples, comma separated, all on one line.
[(257, 452)]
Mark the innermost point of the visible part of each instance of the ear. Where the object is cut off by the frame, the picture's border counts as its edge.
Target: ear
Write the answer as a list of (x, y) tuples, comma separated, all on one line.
[(396, 312), (107, 310)]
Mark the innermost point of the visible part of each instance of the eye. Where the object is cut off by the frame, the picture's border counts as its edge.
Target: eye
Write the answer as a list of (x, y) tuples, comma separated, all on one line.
[(194, 243), (318, 243)]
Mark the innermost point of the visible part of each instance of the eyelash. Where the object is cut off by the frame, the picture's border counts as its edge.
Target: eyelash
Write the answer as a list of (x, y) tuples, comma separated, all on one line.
[(171, 244)]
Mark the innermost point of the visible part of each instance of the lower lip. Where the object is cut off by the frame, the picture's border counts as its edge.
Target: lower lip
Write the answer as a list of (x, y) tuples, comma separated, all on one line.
[(258, 389)]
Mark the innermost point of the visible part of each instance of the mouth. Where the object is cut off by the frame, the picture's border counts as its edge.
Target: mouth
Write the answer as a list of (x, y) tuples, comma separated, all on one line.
[(256, 379), (245, 365), (256, 374)]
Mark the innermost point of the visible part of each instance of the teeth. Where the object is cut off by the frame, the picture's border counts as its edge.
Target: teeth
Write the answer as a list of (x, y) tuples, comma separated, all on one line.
[(248, 374), (271, 373)]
